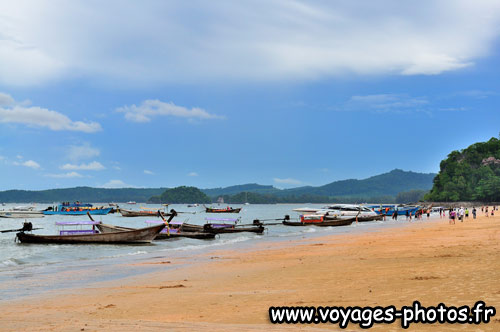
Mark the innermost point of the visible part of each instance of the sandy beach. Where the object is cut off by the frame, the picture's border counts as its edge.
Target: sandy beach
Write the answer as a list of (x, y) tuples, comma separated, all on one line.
[(431, 262)]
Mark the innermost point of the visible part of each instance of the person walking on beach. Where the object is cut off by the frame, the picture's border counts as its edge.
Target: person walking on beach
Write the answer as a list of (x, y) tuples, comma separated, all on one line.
[(452, 217), (461, 213), (407, 214), (474, 212), (466, 213), (486, 212)]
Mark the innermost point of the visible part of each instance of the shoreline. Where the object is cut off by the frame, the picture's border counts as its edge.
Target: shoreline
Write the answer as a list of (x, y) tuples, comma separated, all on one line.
[(431, 262)]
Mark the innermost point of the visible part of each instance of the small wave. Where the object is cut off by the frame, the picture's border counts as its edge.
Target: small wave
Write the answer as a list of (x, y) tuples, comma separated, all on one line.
[(215, 244), (139, 252), (309, 230), (11, 262)]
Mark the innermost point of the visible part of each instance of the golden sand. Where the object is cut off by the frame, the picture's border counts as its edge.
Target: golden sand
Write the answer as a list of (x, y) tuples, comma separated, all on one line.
[(431, 262)]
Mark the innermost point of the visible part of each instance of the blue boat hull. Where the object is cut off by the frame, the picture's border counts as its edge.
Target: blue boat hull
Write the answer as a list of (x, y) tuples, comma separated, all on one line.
[(78, 213), (401, 211)]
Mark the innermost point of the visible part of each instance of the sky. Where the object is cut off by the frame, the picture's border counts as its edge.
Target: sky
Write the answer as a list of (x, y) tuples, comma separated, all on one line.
[(218, 93)]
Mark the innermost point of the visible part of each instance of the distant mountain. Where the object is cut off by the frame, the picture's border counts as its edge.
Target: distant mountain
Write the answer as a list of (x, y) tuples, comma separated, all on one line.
[(233, 190), (83, 194), (387, 184), (383, 187)]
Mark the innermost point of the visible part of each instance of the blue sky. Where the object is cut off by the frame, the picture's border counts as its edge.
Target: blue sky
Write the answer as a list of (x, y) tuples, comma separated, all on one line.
[(288, 93)]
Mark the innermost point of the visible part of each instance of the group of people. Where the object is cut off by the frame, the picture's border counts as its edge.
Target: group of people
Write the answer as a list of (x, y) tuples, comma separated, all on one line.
[(460, 214), (485, 210)]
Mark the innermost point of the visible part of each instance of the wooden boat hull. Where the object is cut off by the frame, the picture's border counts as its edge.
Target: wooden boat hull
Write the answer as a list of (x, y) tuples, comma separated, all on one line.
[(210, 210), (372, 218), (21, 214), (189, 235), (325, 223), (222, 230), (104, 228), (142, 235), (132, 213)]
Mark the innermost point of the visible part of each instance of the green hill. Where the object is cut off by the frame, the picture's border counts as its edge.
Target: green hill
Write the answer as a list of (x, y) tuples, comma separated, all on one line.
[(82, 194), (387, 184), (472, 174), (181, 195), (232, 190)]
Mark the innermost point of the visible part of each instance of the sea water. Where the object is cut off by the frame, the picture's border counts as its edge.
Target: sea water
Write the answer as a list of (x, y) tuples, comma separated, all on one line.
[(30, 269)]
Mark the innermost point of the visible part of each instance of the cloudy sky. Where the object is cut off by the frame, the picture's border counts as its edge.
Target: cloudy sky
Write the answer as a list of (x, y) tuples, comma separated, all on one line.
[(216, 93)]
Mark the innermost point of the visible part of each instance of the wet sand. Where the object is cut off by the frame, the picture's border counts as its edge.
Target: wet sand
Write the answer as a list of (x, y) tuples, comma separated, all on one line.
[(231, 291)]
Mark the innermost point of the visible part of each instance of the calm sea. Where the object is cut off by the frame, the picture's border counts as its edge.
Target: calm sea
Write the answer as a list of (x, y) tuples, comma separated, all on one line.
[(30, 269)]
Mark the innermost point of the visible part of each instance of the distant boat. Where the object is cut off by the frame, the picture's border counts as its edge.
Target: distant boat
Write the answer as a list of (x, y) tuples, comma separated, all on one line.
[(220, 200), (225, 210), (21, 214), (75, 209), (135, 213), (131, 202), (193, 205)]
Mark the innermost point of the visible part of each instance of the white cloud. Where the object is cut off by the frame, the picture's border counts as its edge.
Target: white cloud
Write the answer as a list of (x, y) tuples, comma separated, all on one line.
[(384, 103), (287, 181), (29, 163), (150, 108), (148, 172), (93, 166), (393, 103), (35, 116), (193, 174), (5, 99), (127, 41), (65, 175), (116, 184), (82, 152)]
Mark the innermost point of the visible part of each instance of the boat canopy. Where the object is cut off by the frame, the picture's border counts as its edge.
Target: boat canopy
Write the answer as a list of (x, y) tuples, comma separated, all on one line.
[(222, 219), (67, 223)]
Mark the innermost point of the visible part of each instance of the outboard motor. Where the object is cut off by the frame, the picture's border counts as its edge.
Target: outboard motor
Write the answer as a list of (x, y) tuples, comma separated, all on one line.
[(27, 227)]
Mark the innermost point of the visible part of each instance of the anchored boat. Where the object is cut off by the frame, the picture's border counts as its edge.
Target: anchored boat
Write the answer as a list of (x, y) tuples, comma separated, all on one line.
[(76, 209), (92, 235)]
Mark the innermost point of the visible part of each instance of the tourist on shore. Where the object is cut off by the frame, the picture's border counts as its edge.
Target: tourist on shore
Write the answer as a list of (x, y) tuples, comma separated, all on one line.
[(474, 212), (461, 213), (407, 214), (466, 213), (486, 212), (452, 217)]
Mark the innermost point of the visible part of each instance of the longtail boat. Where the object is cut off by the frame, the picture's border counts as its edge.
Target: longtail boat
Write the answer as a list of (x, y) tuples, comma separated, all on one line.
[(225, 210), (319, 220), (92, 236), (172, 233), (219, 228), (135, 213), (75, 209)]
